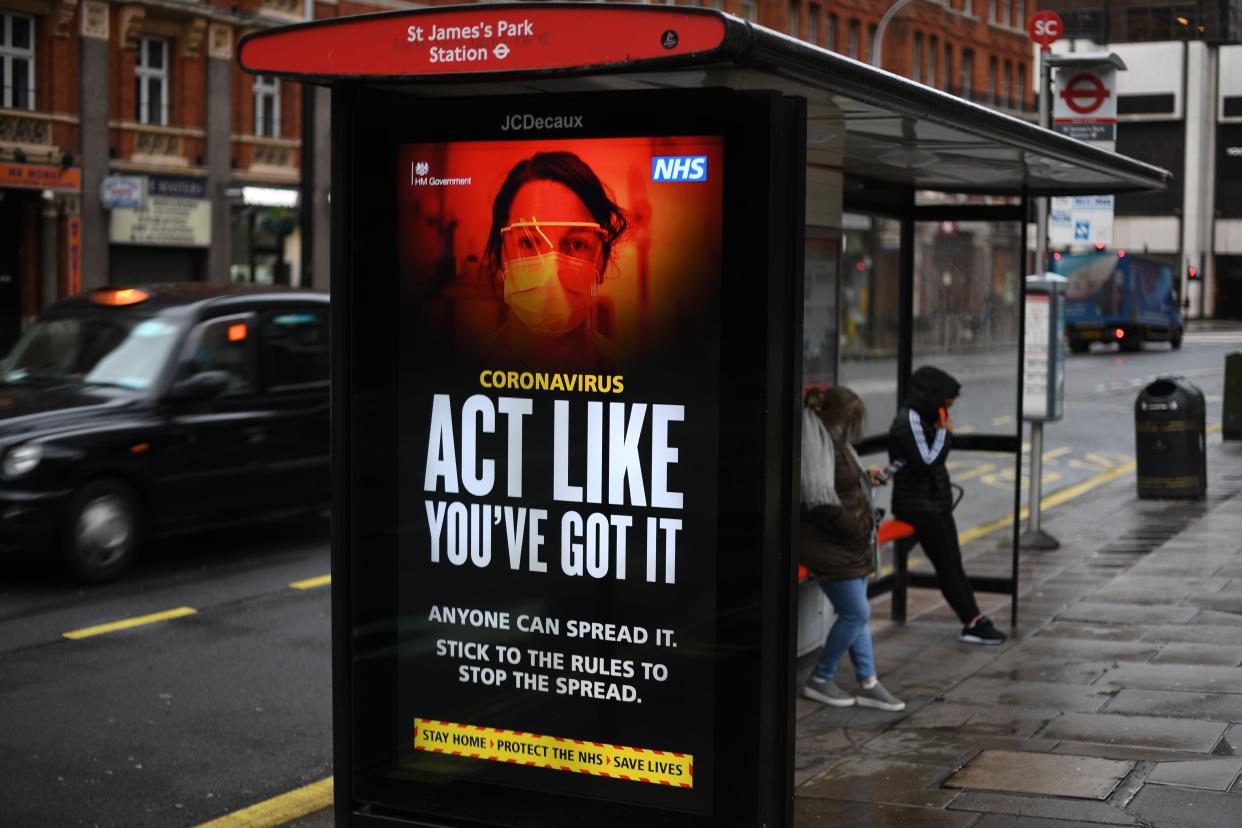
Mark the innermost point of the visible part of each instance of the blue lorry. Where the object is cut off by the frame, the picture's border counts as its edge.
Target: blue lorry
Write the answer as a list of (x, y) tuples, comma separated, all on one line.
[(1116, 296)]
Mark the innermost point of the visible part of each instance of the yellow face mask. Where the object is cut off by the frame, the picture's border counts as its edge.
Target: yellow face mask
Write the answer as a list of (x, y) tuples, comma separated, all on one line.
[(551, 273), (551, 293)]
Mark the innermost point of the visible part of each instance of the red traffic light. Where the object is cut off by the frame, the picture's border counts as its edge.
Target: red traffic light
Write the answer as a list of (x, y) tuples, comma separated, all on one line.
[(1192, 272)]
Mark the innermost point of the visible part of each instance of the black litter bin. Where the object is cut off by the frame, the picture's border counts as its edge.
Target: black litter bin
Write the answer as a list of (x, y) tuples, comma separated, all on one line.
[(1170, 440), (1231, 408)]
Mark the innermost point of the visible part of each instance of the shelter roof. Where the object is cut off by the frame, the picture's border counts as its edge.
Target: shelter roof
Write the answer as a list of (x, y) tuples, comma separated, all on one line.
[(869, 123)]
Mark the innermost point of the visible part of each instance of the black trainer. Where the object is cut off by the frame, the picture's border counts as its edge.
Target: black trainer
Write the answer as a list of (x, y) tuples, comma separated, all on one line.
[(982, 632)]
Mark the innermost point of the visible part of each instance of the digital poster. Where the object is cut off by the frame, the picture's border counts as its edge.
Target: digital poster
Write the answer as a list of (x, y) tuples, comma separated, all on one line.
[(557, 460)]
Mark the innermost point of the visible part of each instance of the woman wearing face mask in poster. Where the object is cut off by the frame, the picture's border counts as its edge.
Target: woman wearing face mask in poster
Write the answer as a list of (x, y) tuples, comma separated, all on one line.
[(920, 436), (553, 230), (838, 544)]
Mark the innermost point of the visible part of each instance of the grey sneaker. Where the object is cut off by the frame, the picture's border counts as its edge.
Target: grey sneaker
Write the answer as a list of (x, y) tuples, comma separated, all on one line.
[(826, 691), (879, 698)]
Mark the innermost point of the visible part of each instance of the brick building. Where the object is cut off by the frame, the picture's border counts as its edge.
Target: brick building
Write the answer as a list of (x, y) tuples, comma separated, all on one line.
[(132, 147), (977, 49)]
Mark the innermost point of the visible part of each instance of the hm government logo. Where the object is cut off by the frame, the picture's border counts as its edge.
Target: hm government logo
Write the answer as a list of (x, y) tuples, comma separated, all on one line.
[(419, 177)]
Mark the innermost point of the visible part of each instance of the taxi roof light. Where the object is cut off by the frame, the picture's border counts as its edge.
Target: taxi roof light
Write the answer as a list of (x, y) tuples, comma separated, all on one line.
[(119, 297)]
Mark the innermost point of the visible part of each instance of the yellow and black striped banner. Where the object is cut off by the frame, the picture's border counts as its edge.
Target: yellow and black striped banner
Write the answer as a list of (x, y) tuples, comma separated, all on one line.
[(655, 767)]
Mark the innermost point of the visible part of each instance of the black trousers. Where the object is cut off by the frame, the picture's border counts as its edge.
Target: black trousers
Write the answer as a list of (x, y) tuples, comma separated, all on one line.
[(937, 534)]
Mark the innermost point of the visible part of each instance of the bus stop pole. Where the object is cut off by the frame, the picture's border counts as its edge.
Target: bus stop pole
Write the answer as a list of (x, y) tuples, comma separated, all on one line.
[(1034, 537)]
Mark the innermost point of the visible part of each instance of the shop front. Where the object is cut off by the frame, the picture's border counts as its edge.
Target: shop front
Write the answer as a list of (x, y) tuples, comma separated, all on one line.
[(266, 239), (159, 228), (40, 247)]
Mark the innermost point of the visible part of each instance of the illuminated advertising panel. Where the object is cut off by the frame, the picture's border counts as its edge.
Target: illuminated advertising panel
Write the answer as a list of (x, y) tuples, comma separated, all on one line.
[(559, 404)]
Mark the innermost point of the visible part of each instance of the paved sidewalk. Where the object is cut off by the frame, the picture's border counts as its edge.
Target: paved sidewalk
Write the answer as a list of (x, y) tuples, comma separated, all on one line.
[(1117, 701)]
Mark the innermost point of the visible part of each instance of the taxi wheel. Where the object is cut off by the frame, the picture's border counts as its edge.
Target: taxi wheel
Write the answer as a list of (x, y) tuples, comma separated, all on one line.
[(101, 535)]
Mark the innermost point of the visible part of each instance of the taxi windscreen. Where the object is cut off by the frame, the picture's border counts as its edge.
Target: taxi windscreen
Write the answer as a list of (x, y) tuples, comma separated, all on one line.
[(113, 351)]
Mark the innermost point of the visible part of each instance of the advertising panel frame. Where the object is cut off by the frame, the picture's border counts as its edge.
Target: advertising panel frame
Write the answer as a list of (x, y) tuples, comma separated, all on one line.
[(758, 367)]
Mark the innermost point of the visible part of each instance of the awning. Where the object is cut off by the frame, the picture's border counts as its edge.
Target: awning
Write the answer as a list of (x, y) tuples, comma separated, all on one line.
[(879, 126)]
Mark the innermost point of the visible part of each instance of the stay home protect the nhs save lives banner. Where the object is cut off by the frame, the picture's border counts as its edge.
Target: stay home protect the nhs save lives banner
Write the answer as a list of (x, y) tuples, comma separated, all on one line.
[(558, 460)]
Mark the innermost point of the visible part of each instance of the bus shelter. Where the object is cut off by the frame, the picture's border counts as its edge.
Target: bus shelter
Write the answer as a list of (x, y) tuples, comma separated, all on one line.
[(587, 258)]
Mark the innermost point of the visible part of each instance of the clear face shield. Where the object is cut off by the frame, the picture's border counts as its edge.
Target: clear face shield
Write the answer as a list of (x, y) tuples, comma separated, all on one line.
[(551, 272)]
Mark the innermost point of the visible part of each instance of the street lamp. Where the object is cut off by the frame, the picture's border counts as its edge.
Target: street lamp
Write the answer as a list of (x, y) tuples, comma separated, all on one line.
[(877, 48)]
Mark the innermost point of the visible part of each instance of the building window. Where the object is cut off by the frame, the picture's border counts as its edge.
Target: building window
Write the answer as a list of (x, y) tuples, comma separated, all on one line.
[(872, 31), (795, 13), (851, 47), (1018, 18), (968, 79), (1006, 91), (948, 67), (749, 9), (17, 66), (916, 60), (992, 14), (830, 37), (151, 81), (992, 96), (1020, 102), (267, 106), (933, 45), (1002, 12), (812, 23), (1085, 24), (968, 7)]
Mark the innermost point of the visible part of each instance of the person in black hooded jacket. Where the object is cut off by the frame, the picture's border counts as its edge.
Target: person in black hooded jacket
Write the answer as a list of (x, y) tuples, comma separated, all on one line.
[(921, 436)]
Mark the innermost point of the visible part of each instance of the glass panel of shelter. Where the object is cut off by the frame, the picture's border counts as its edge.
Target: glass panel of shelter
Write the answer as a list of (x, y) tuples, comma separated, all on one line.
[(967, 315), (966, 297)]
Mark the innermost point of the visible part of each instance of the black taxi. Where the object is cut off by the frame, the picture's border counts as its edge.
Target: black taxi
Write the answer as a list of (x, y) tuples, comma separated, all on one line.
[(133, 412)]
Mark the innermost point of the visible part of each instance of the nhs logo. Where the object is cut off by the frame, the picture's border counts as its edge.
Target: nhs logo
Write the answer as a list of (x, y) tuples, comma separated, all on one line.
[(679, 168)]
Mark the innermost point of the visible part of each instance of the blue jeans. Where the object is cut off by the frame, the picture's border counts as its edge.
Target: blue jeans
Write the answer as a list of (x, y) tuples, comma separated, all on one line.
[(849, 632)]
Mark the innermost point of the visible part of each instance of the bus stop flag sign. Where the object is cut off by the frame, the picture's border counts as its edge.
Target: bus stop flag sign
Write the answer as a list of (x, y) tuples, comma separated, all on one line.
[(1084, 104)]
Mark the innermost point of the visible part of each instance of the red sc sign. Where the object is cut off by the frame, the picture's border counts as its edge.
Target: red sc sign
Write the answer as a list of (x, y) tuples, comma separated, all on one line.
[(1045, 27)]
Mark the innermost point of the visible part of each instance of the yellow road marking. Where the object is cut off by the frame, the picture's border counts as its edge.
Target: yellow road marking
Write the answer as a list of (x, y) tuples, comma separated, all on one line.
[(1213, 428), (964, 429), (279, 809), (1002, 420), (311, 583), (1054, 499), (1094, 457), (983, 468), (1057, 452), (125, 624)]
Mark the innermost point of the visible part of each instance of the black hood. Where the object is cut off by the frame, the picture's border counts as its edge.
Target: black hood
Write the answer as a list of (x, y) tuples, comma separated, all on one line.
[(26, 407), (929, 388)]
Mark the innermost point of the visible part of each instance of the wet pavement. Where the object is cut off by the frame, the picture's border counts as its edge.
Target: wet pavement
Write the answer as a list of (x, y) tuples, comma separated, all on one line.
[(1116, 701)]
